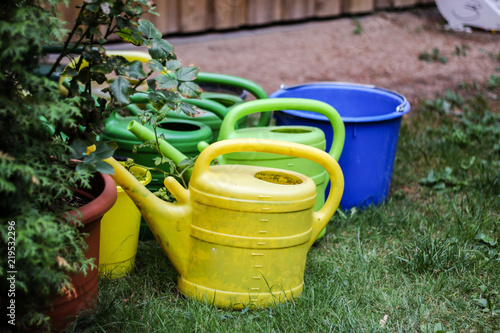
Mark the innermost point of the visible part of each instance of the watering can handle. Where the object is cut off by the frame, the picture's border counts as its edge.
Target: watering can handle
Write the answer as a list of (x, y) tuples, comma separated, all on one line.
[(202, 167), (238, 82), (227, 129), (218, 109)]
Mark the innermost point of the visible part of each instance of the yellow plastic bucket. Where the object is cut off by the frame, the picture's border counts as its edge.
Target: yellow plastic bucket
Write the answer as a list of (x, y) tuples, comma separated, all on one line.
[(120, 231)]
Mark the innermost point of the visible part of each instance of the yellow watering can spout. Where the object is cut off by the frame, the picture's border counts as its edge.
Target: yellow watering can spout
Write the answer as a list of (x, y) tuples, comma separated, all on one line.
[(169, 222)]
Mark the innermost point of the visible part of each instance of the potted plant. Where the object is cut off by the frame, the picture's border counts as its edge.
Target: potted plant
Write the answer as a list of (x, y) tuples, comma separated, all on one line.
[(43, 135), (43, 223)]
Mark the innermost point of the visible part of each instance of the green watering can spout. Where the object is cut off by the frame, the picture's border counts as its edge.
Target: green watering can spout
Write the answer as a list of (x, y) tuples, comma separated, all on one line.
[(144, 134), (202, 145)]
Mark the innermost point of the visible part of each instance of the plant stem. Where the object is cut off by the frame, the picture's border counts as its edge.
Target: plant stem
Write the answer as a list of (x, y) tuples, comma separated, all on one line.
[(64, 51)]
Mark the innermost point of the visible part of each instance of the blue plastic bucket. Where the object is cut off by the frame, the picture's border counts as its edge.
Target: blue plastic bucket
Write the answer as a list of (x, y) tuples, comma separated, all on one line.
[(372, 118)]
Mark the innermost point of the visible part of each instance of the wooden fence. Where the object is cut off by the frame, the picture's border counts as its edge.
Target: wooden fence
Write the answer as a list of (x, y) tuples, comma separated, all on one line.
[(188, 16)]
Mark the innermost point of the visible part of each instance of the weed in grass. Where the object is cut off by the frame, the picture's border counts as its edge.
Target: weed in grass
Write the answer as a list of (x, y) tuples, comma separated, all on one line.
[(358, 30), (444, 105), (441, 181), (461, 50), (493, 56), (493, 82), (434, 56), (470, 86)]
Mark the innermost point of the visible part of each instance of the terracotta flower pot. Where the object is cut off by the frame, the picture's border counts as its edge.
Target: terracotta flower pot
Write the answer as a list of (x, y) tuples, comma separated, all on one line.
[(84, 293)]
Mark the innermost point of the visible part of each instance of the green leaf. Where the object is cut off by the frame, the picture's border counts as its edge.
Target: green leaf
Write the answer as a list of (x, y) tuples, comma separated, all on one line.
[(79, 149), (155, 65), (485, 239), (104, 167), (94, 57), (84, 168), (172, 65), (135, 70), (188, 73), (151, 84), (157, 99), (121, 90), (158, 161), (439, 328), (90, 159), (70, 71), (99, 77), (441, 186), (82, 75), (104, 150), (190, 110), (148, 29), (160, 49), (129, 36), (186, 163), (104, 67), (189, 90), (166, 82), (482, 302)]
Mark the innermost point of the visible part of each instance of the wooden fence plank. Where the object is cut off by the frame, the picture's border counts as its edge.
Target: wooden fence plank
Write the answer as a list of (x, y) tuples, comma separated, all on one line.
[(383, 4), (263, 11), (229, 13), (185, 16), (168, 21), (358, 6), (297, 9), (195, 15), (69, 13), (404, 3), (327, 8)]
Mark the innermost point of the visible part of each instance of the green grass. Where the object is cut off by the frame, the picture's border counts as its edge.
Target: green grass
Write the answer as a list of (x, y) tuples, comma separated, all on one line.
[(428, 260)]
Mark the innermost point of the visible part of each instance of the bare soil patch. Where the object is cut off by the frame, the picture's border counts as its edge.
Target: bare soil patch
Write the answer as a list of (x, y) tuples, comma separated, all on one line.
[(385, 53)]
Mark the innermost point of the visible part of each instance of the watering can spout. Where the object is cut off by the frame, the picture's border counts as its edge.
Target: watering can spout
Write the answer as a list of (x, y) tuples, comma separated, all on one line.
[(144, 134), (169, 222)]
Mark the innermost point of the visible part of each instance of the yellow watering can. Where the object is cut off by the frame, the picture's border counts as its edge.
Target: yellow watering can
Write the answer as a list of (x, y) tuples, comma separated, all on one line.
[(239, 235)]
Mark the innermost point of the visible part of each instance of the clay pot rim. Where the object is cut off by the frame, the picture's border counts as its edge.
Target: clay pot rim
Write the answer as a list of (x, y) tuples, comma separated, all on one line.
[(100, 204)]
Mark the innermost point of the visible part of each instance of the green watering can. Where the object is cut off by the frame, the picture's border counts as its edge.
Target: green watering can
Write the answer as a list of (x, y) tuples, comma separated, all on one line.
[(213, 119), (307, 135), (183, 134), (223, 89), (230, 81)]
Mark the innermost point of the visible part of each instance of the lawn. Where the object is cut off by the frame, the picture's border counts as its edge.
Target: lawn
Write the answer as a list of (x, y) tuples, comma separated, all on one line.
[(428, 260)]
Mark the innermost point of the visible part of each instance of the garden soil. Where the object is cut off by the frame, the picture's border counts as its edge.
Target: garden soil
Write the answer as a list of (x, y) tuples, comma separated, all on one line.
[(380, 49)]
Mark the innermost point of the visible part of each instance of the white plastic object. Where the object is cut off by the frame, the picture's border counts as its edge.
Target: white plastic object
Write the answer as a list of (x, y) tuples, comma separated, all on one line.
[(463, 14)]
